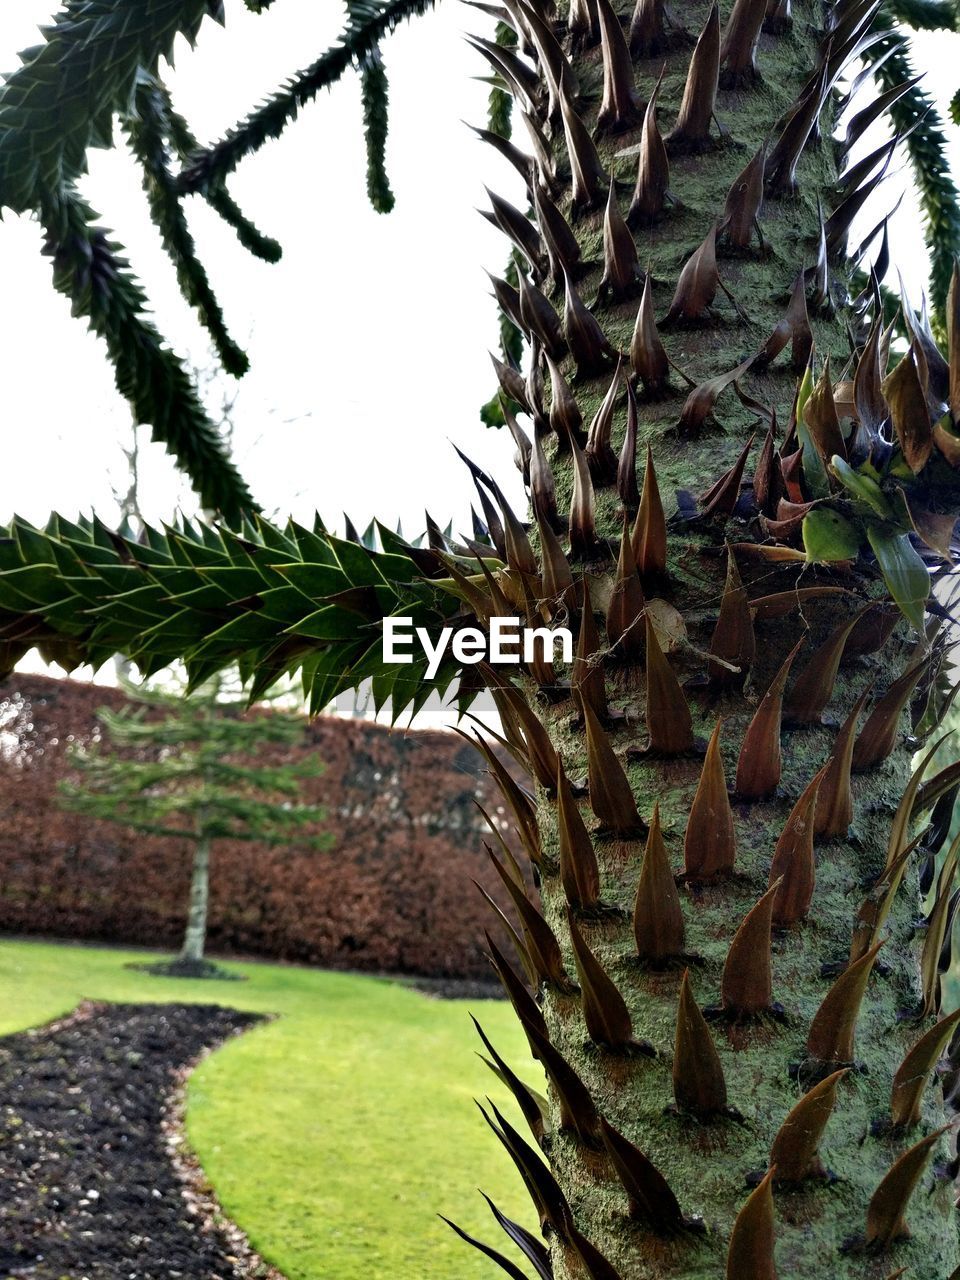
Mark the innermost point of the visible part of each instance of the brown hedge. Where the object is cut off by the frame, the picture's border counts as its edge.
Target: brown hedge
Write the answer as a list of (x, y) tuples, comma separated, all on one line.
[(392, 894)]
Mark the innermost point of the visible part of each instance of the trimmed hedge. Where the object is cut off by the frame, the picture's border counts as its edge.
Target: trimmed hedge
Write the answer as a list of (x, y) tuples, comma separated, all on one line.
[(392, 894)]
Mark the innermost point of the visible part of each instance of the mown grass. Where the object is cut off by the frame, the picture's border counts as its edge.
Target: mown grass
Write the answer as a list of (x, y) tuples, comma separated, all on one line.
[(336, 1133)]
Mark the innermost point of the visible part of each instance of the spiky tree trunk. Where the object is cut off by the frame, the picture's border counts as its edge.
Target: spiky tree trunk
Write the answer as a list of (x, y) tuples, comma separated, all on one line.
[(705, 983)]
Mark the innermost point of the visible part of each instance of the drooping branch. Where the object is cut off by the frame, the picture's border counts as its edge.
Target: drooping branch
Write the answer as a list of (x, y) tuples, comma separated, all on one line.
[(270, 119)]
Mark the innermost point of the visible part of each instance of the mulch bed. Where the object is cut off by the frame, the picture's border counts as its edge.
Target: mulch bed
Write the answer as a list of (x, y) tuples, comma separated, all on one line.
[(88, 1188)]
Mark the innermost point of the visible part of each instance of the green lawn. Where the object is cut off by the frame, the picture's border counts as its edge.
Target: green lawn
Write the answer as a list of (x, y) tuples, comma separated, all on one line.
[(335, 1134)]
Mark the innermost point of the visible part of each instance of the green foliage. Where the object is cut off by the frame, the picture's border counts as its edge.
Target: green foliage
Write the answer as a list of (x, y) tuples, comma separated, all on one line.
[(311, 1127), (272, 601), (828, 536), (191, 769), (268, 121), (903, 571)]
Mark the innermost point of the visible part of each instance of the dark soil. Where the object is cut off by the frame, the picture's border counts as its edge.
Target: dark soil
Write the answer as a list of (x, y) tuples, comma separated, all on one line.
[(455, 988), (87, 1188), (188, 969)]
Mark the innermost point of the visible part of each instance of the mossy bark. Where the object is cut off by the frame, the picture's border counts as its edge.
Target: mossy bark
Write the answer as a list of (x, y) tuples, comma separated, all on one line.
[(709, 1162)]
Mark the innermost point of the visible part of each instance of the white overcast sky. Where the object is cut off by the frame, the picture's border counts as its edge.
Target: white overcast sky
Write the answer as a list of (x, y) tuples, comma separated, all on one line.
[(368, 341)]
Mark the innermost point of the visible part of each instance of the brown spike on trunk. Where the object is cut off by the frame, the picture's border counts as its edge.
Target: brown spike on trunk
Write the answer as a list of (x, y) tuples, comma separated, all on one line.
[(738, 48), (886, 1213), (746, 985), (905, 391), (611, 798), (583, 520), (697, 284), (733, 639), (669, 724), (648, 359), (830, 1041), (619, 107), (565, 417), (625, 610), (543, 757), (594, 1264), (538, 317), (692, 130), (587, 681), (834, 811), (709, 847), (520, 805), (579, 873), (937, 924), (518, 228), (558, 585), (877, 739), (648, 29), (794, 1154), (627, 489), (526, 1008), (600, 455), (542, 945), (555, 67), (653, 169), (544, 1189), (872, 629), (526, 1100), (519, 946), (589, 178), (820, 417), (819, 273), (511, 383), (698, 1082), (524, 163), (583, 23), (750, 1252), (578, 1114), (546, 165), (652, 1203), (604, 1011), (520, 439), (810, 695), (793, 862), (779, 17), (700, 403), (793, 328), (520, 556), (587, 342), (760, 763), (650, 528), (508, 300), (543, 491), (782, 160), (561, 244), (621, 268), (741, 213), (913, 1074), (721, 498), (657, 914), (867, 393)]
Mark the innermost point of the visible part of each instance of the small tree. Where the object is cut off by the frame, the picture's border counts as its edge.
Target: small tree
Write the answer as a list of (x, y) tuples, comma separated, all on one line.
[(188, 766)]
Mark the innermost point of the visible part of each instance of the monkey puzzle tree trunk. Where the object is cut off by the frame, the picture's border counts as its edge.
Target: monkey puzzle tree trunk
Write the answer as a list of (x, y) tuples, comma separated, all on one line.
[(195, 934), (705, 983)]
